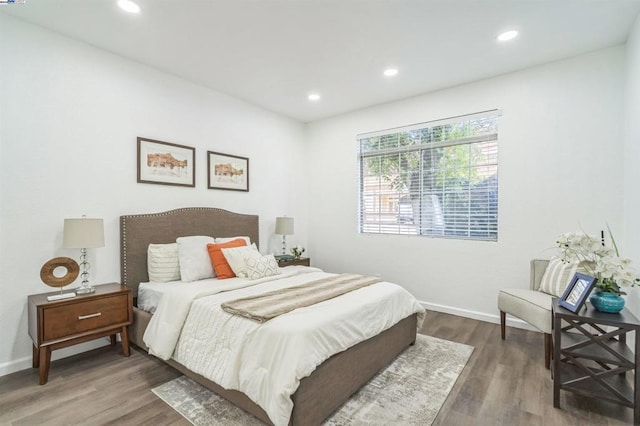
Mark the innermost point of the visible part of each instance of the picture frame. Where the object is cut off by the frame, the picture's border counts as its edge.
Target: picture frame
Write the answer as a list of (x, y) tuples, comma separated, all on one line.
[(226, 171), (577, 292), (166, 163)]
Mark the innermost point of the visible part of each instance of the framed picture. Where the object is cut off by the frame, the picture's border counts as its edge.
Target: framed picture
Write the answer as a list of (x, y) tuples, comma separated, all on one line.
[(577, 291), (228, 171), (166, 163)]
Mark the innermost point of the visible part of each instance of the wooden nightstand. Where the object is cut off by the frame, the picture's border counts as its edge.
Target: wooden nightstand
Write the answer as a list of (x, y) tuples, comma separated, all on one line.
[(67, 322), (304, 261)]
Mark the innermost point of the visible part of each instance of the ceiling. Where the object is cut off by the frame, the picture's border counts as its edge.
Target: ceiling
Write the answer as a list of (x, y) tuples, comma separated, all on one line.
[(273, 53)]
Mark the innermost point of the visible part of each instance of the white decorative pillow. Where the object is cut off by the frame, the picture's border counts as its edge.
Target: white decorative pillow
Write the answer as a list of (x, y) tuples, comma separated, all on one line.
[(195, 263), (237, 257), (260, 267), (162, 263), (226, 240), (557, 276)]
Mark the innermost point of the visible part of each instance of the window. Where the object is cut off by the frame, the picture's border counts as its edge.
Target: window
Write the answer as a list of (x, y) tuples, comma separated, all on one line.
[(437, 179)]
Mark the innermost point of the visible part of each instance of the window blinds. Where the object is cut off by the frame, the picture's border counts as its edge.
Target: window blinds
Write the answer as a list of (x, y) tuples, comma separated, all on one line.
[(436, 179)]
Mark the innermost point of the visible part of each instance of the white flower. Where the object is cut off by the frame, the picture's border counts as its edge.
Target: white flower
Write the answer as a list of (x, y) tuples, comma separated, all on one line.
[(611, 270), (297, 250)]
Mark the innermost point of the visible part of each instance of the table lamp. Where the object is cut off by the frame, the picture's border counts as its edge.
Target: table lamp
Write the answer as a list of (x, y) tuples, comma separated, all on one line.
[(284, 227), (83, 233)]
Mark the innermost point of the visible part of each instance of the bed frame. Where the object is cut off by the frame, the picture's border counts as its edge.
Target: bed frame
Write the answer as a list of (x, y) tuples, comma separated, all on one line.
[(319, 394)]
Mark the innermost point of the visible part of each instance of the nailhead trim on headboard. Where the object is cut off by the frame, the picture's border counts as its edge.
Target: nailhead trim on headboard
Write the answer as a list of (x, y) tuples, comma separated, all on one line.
[(137, 233)]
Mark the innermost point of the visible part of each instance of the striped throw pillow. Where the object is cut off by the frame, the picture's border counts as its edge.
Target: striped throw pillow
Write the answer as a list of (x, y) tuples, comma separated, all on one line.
[(162, 263), (557, 276)]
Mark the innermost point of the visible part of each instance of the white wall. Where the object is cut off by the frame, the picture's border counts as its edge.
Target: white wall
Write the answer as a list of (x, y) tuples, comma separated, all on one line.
[(560, 155), (632, 157), (70, 115)]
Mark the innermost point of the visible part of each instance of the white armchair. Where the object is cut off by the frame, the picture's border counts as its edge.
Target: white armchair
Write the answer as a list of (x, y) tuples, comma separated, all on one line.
[(530, 305)]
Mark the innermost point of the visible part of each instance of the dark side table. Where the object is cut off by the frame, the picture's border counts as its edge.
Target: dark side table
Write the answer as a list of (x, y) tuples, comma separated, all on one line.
[(304, 261), (591, 356)]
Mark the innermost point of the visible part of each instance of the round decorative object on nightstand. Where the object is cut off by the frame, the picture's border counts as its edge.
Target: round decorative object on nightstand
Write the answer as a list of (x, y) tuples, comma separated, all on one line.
[(70, 265)]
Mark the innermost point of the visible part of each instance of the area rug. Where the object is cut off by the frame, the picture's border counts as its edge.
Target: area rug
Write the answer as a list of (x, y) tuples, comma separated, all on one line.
[(410, 391)]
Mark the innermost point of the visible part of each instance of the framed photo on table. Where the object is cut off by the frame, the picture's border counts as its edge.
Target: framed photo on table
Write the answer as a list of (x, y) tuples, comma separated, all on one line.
[(166, 163), (577, 292), (228, 171)]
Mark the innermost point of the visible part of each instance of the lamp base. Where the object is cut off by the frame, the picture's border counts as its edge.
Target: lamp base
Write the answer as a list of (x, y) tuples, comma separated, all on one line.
[(85, 290)]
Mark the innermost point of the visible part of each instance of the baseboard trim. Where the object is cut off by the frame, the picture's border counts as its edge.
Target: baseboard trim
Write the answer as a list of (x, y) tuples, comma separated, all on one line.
[(480, 316), (25, 363)]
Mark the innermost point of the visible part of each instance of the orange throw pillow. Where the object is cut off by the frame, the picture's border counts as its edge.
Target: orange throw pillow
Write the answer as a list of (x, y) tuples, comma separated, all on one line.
[(220, 264)]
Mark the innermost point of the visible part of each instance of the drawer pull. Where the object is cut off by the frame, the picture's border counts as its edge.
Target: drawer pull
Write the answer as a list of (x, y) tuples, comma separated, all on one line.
[(97, 314)]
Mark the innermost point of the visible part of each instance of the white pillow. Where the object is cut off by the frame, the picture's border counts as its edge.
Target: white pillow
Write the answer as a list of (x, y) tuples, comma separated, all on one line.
[(237, 257), (162, 263), (226, 240), (195, 263), (260, 267), (557, 276)]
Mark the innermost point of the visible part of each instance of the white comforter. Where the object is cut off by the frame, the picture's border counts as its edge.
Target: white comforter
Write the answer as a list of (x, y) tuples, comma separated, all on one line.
[(267, 361)]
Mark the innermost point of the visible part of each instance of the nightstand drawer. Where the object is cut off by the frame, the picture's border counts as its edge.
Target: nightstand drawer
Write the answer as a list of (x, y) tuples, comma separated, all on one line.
[(62, 321)]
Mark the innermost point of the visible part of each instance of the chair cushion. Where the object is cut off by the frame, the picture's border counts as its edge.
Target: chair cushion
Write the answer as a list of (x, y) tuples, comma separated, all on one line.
[(531, 306), (557, 276)]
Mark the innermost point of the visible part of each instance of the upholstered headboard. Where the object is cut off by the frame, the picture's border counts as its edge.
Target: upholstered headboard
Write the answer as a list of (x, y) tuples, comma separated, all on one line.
[(139, 230)]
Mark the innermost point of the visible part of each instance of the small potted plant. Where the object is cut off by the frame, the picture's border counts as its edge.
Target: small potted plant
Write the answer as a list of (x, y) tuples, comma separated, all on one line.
[(297, 251), (604, 263)]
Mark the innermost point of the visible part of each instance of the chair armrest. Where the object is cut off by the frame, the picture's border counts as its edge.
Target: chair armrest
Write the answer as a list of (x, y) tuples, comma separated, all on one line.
[(538, 266)]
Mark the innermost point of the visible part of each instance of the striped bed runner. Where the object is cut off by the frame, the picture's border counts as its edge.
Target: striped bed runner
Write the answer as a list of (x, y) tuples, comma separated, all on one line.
[(266, 306)]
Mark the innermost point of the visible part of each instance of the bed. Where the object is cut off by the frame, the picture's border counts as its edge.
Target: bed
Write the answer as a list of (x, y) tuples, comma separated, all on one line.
[(318, 394)]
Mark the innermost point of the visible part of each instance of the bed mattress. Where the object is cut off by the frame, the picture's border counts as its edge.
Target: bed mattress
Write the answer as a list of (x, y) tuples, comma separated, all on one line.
[(150, 293)]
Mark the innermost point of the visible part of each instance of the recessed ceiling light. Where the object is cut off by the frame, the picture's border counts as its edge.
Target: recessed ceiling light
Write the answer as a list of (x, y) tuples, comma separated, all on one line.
[(129, 6), (390, 72), (508, 35), (313, 97)]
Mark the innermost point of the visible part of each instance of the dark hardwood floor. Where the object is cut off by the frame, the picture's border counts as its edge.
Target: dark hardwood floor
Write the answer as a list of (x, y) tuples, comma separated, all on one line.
[(504, 383)]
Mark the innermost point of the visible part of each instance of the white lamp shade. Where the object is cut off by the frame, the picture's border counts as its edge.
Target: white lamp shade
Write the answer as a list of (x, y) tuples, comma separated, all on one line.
[(284, 226), (83, 233)]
